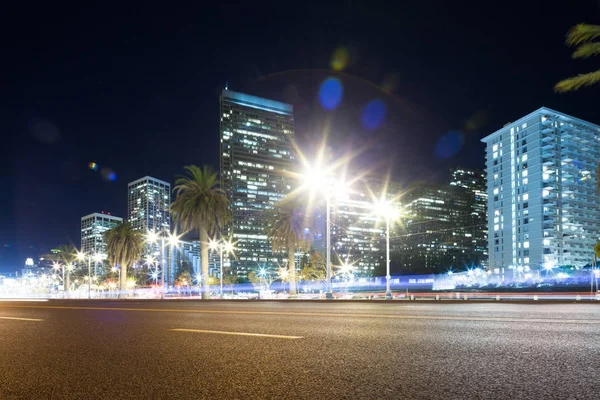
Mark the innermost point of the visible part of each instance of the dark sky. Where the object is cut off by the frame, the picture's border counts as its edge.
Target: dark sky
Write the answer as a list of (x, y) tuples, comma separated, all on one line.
[(136, 91)]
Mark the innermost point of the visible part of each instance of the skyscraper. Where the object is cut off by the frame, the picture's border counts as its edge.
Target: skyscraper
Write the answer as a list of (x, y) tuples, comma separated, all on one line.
[(93, 227), (445, 225), (474, 220), (148, 201), (542, 197), (256, 162), (357, 232)]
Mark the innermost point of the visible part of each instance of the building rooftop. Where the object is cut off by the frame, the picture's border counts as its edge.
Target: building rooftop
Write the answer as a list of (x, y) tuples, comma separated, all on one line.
[(260, 103), (148, 178), (101, 215), (543, 110)]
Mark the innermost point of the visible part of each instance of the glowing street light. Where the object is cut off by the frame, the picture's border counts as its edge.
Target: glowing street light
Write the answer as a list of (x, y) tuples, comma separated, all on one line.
[(221, 245), (152, 237), (390, 213), (319, 178)]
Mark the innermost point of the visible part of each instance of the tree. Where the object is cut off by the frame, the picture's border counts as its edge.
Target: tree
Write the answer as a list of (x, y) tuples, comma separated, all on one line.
[(314, 269), (124, 246), (582, 37), (184, 280), (596, 252), (285, 231), (253, 278), (66, 255), (200, 205), (229, 278)]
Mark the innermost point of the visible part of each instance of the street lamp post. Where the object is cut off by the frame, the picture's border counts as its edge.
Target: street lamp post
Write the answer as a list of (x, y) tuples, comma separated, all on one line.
[(329, 293), (388, 291), (89, 276), (319, 178), (221, 245), (152, 237), (386, 210)]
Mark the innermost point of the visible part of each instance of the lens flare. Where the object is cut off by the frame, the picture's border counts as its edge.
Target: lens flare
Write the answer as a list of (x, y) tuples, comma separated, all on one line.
[(449, 144), (340, 59), (330, 93), (374, 114), (108, 174), (390, 82)]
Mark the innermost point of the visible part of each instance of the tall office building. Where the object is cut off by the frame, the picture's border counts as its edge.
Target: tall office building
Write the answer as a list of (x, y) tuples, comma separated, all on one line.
[(148, 201), (184, 256), (474, 220), (445, 225), (357, 232), (256, 162), (93, 227), (542, 197)]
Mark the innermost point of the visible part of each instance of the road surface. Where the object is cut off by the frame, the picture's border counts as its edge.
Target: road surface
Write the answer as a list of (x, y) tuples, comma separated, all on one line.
[(298, 350)]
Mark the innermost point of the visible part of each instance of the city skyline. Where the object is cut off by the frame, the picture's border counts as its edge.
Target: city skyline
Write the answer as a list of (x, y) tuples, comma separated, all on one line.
[(153, 109)]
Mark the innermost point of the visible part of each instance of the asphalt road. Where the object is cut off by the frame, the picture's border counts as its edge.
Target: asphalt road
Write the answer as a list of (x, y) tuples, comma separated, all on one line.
[(317, 350)]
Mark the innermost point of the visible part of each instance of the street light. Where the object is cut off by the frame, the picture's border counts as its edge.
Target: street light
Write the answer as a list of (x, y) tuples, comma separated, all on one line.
[(221, 245), (320, 178), (386, 210), (56, 267), (81, 256), (173, 240)]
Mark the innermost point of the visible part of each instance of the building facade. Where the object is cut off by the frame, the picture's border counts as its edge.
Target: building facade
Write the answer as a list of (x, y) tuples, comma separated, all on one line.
[(444, 225), (148, 201), (474, 221), (185, 256), (93, 227), (256, 166), (542, 197), (358, 233)]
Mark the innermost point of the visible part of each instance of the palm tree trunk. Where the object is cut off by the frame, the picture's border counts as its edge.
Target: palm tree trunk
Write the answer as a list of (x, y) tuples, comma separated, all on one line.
[(204, 256), (123, 283), (292, 269)]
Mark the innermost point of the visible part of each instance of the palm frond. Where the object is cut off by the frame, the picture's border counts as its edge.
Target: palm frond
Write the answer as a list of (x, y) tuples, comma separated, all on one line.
[(582, 33), (587, 50), (199, 201), (285, 226), (577, 82)]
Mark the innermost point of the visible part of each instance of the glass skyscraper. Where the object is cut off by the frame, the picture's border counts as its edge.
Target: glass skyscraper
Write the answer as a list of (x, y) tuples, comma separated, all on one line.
[(542, 196), (256, 166), (148, 201), (93, 227), (474, 219)]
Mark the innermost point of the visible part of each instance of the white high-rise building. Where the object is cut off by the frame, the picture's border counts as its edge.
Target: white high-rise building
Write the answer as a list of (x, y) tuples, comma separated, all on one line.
[(542, 197), (93, 227), (148, 201)]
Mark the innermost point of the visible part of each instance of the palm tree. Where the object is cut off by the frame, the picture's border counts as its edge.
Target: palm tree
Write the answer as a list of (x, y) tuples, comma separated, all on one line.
[(124, 246), (201, 204), (285, 231), (596, 252), (66, 255), (581, 36)]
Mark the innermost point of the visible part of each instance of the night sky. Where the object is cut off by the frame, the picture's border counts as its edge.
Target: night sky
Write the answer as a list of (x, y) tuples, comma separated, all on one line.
[(136, 91)]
